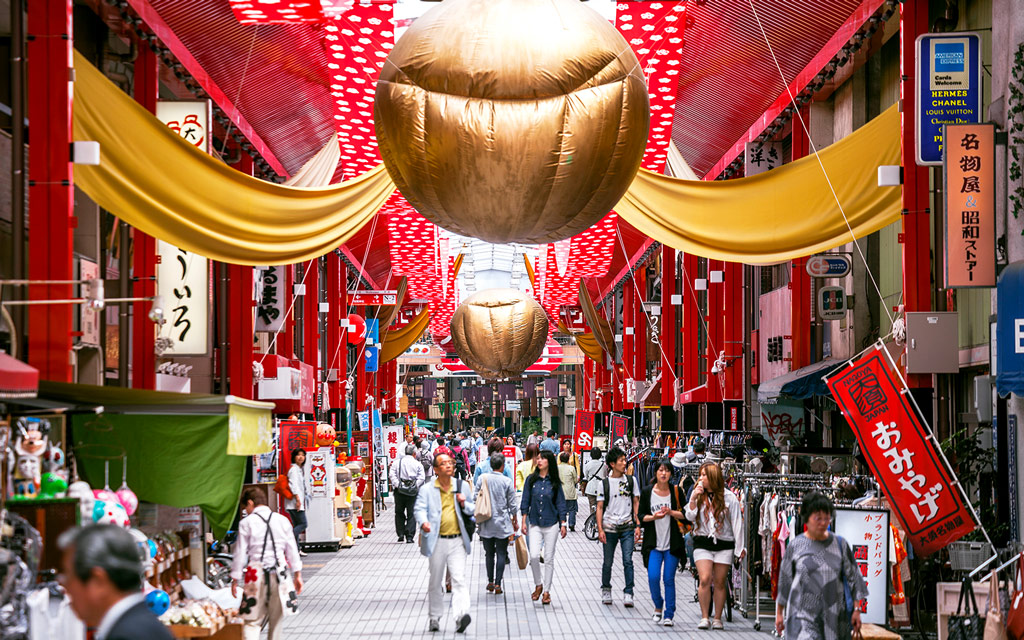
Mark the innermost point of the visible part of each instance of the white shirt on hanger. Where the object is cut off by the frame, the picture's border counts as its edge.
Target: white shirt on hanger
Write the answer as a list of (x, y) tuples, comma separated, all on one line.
[(52, 618)]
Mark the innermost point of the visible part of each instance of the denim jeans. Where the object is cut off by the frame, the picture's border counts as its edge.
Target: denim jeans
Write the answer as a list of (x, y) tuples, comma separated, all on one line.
[(298, 523), (623, 539), (495, 558), (661, 565), (571, 507)]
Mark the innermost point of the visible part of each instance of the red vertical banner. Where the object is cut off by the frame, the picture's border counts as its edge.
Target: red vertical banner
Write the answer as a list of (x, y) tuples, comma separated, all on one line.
[(583, 435), (294, 435), (618, 429), (901, 452), (668, 327)]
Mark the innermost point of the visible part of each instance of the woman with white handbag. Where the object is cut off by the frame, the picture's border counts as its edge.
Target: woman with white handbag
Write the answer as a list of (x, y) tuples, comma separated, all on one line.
[(267, 565)]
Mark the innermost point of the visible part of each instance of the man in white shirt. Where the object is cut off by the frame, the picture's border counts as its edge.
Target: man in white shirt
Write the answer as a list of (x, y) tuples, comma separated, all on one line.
[(617, 523), (407, 476), (280, 551), (102, 574), (594, 472)]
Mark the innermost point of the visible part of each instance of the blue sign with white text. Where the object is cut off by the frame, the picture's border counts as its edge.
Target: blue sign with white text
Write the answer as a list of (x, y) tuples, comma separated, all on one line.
[(948, 89), (372, 350), (1010, 330)]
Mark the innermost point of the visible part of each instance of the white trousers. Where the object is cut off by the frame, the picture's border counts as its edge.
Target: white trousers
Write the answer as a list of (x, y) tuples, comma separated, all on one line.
[(544, 538), (451, 555), (251, 629)]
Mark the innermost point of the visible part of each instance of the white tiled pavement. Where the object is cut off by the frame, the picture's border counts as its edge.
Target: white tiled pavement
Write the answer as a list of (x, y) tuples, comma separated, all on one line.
[(377, 589)]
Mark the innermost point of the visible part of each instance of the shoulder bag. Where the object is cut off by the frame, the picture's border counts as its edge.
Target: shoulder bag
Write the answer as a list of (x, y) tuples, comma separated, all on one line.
[(483, 501), (1015, 618), (994, 627), (406, 486), (966, 624), (467, 521)]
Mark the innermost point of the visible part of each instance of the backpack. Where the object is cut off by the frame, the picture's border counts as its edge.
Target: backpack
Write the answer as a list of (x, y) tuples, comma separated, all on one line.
[(460, 460)]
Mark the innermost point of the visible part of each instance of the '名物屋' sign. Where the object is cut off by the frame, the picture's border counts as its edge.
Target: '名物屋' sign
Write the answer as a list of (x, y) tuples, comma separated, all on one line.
[(901, 453), (970, 192)]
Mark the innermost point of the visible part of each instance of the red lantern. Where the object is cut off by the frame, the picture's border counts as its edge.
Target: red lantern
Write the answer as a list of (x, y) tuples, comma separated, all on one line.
[(324, 435), (356, 329)]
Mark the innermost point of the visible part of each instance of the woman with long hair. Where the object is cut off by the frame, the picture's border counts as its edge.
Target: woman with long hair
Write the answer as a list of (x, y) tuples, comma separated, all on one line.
[(718, 538), (296, 505), (660, 512), (525, 468), (543, 512)]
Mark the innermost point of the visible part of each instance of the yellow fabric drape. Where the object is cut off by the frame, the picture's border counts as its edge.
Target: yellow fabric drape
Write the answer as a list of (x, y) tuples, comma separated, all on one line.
[(398, 340), (602, 331), (778, 215), (160, 184), (586, 342)]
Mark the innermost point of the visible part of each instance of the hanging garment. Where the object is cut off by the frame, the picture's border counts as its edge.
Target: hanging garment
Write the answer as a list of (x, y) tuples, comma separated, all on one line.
[(51, 618)]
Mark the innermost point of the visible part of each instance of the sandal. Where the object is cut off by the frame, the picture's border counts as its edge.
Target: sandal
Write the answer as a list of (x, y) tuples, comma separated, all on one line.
[(546, 599), (536, 592)]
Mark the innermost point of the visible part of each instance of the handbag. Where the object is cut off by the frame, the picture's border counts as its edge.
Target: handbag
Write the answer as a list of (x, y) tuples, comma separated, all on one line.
[(1015, 618), (406, 486), (256, 582), (522, 552), (483, 501), (994, 627), (965, 624)]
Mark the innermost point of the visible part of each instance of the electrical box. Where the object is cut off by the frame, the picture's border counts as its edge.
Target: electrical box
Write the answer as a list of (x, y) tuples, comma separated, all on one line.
[(933, 342)]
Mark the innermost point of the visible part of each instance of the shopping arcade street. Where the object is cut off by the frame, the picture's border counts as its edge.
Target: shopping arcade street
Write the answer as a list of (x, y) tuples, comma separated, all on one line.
[(378, 589)]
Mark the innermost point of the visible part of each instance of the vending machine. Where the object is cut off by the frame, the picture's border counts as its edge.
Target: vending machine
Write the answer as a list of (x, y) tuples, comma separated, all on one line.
[(320, 486)]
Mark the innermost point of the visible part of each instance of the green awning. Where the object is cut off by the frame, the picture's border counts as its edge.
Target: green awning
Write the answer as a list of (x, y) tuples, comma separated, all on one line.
[(183, 450)]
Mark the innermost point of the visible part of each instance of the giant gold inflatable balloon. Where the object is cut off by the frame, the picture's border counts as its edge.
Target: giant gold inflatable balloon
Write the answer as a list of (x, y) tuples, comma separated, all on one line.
[(499, 332), (512, 120)]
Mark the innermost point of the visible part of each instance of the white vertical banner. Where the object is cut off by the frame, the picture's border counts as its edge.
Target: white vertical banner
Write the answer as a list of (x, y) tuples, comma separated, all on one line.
[(183, 280), (867, 533), (270, 310)]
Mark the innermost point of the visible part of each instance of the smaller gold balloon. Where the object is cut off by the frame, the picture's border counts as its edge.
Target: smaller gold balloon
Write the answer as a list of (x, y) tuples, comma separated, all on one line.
[(499, 332)]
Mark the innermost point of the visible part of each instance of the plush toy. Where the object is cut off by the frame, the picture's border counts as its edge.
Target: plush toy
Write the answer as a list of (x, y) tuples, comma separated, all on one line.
[(54, 485), (128, 500), (105, 495), (344, 505), (31, 442), (110, 512), (325, 435)]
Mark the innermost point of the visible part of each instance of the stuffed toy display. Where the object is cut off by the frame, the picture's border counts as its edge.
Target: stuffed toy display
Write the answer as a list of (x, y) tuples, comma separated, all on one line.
[(343, 506), (31, 445), (356, 467)]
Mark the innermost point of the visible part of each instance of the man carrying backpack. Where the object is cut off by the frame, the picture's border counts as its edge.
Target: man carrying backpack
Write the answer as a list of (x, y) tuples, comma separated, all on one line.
[(461, 460), (618, 499), (407, 477)]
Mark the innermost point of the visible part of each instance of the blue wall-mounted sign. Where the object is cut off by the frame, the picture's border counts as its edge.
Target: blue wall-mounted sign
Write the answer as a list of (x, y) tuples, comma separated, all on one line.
[(948, 89), (1010, 330)]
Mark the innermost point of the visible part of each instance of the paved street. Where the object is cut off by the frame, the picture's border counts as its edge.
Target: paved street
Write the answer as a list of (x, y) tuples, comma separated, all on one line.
[(377, 589)]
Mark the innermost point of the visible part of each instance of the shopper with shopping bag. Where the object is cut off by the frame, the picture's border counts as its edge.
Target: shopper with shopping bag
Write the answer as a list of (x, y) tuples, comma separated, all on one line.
[(497, 529)]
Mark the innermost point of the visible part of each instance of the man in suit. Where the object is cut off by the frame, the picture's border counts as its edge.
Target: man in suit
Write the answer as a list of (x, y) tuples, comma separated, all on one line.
[(102, 573), (444, 539)]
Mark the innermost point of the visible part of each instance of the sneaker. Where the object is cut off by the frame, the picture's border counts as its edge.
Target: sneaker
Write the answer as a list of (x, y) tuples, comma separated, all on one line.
[(656, 617), (401, 538), (606, 596), (667, 622), (717, 625), (463, 623), (303, 554), (704, 623), (434, 625), (627, 600)]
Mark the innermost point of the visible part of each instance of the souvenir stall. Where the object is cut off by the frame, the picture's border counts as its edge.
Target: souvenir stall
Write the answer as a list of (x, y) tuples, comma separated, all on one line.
[(127, 453)]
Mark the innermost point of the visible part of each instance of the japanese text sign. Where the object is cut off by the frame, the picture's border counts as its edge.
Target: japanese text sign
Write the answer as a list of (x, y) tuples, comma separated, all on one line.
[(618, 429), (362, 298), (583, 436), (759, 157), (901, 454), (970, 190), (183, 280), (867, 533), (510, 459), (948, 89), (294, 435), (190, 119), (270, 307), (394, 444)]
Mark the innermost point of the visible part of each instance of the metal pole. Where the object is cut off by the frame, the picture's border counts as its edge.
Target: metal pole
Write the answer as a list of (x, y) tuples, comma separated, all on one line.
[(17, 257), (123, 313)]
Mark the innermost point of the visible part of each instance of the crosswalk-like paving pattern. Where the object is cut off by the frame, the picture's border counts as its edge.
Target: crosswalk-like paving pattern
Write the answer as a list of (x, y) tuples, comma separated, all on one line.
[(377, 589)]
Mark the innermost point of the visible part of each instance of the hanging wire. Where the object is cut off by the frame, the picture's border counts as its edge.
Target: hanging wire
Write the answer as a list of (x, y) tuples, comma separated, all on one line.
[(814, 148)]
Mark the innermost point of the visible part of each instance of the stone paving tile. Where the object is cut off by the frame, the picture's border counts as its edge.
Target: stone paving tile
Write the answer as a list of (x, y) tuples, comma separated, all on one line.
[(377, 589)]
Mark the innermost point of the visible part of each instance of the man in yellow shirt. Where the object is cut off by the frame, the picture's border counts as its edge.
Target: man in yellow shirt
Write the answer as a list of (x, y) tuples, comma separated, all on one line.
[(445, 540)]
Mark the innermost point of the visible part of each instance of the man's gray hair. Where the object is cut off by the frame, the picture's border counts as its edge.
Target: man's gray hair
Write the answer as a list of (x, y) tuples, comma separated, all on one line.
[(497, 460), (410, 449), (107, 547)]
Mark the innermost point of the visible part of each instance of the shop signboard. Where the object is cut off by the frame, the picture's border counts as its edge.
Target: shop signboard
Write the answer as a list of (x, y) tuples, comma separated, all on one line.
[(294, 435), (89, 318), (372, 351), (190, 119), (948, 89), (583, 435), (831, 265), (510, 459), (618, 429), (182, 280), (867, 533), (759, 157), (392, 441), (377, 428), (902, 453), (831, 303), (270, 310), (969, 187), (317, 462), (363, 298)]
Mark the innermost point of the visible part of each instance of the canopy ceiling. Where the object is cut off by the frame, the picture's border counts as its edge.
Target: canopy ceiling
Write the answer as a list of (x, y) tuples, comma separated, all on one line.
[(287, 86)]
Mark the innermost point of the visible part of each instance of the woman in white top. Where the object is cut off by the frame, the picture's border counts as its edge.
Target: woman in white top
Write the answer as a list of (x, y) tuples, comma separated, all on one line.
[(296, 505), (717, 537)]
